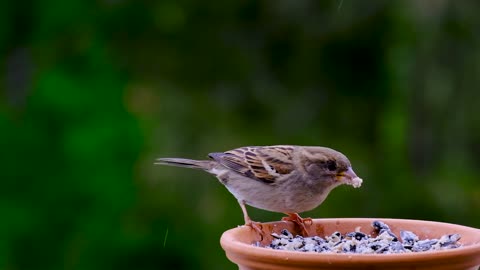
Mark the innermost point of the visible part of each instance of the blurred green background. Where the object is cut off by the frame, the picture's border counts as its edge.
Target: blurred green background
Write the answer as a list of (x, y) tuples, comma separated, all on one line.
[(93, 91)]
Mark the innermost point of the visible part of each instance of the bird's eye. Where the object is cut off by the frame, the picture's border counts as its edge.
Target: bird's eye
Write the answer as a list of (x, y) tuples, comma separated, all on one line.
[(331, 165)]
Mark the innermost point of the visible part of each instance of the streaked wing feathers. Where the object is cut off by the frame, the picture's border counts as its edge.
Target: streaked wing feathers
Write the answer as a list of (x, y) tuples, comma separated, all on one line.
[(259, 163)]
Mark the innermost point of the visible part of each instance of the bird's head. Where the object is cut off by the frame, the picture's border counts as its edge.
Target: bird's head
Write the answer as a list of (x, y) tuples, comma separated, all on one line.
[(329, 165)]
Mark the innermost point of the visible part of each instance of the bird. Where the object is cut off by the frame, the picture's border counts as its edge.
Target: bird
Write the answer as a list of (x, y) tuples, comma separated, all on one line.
[(287, 179)]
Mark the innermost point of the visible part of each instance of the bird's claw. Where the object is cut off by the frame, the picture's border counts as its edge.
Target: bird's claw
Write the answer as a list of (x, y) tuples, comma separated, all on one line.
[(308, 221), (256, 226), (301, 222)]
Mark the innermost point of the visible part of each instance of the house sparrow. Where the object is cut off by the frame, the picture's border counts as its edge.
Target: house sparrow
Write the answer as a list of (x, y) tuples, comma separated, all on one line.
[(282, 178)]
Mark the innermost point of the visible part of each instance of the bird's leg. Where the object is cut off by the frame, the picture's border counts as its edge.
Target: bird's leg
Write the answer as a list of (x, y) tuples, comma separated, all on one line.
[(257, 226), (301, 222)]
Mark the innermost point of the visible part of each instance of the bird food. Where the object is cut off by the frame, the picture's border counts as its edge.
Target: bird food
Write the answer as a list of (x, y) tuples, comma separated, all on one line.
[(356, 182), (386, 242)]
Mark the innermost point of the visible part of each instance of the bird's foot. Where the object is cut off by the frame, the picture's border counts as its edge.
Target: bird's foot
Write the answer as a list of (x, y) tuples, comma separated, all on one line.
[(299, 221), (256, 226)]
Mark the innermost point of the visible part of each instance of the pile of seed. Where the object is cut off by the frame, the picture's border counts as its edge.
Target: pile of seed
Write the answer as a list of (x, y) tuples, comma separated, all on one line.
[(386, 242)]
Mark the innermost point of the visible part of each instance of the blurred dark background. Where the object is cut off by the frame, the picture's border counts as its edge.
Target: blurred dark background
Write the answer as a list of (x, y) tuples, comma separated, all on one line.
[(93, 91)]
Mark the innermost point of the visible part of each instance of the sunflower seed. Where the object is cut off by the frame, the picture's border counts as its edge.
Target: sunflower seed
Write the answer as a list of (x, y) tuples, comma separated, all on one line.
[(386, 242)]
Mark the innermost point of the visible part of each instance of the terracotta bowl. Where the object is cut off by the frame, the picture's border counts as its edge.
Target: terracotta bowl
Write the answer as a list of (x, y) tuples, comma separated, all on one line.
[(238, 247)]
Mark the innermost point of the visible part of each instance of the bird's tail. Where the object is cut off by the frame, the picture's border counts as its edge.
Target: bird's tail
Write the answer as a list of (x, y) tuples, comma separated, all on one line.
[(187, 163)]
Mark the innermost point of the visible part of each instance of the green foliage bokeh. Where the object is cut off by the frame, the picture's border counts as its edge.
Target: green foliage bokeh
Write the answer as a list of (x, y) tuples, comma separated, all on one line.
[(92, 92)]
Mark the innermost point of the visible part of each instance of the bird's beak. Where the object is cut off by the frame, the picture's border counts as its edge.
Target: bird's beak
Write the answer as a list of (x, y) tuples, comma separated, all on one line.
[(349, 177), (346, 175)]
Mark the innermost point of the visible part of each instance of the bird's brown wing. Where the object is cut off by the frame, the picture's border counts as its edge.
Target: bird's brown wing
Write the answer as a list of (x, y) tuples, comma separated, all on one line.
[(263, 163)]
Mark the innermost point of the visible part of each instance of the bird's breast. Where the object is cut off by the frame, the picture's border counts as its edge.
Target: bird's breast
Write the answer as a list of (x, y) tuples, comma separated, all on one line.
[(288, 194)]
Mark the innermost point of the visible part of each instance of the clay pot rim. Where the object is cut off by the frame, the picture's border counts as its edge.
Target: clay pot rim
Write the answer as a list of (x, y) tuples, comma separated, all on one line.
[(263, 254)]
